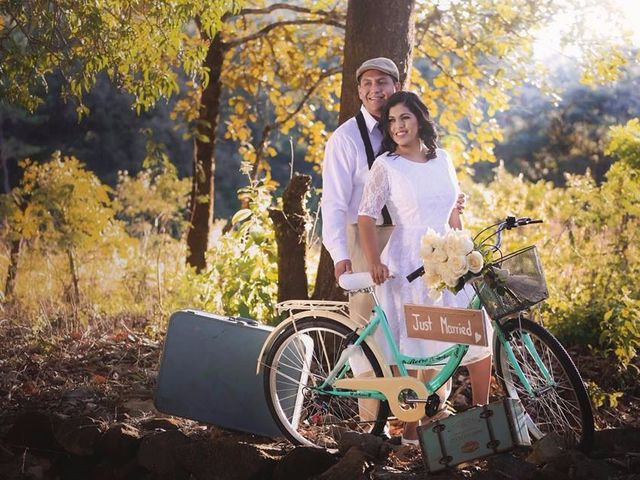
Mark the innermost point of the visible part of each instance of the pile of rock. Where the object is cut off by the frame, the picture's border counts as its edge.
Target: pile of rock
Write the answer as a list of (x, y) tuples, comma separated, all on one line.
[(42, 446)]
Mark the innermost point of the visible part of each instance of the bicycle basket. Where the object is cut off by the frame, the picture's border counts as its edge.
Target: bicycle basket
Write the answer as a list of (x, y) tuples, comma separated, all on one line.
[(511, 284)]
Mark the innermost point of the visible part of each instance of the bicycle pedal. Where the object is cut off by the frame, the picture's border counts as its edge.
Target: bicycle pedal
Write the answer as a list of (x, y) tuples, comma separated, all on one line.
[(433, 405)]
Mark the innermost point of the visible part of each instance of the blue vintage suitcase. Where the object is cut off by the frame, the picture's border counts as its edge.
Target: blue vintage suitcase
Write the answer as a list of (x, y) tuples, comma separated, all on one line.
[(208, 372)]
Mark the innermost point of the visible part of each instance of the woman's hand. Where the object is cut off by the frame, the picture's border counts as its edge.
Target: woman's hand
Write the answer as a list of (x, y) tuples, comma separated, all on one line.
[(379, 272)]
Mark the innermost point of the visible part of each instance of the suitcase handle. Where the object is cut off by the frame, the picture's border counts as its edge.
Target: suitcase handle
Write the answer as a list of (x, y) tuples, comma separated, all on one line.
[(246, 321)]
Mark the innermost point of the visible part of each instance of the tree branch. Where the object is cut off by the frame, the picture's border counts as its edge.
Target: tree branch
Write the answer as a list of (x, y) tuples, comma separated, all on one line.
[(325, 74), (266, 131), (264, 31), (279, 6)]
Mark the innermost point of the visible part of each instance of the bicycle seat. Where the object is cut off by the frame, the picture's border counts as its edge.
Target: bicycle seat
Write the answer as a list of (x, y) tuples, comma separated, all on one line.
[(355, 281)]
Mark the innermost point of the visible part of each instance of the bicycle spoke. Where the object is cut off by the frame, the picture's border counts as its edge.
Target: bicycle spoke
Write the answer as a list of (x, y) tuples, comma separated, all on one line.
[(309, 415), (556, 401)]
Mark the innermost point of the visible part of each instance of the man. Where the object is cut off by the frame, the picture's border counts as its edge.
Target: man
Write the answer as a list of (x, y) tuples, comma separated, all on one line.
[(344, 173), (348, 156)]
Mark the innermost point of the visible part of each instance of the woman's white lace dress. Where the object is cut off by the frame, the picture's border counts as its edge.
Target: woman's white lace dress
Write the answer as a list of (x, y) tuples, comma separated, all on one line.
[(419, 196)]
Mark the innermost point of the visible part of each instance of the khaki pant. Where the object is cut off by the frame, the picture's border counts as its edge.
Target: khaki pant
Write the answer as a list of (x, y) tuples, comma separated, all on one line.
[(361, 304)]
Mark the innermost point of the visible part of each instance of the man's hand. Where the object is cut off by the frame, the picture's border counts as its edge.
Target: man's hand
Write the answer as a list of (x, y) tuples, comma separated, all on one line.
[(343, 266), (460, 203)]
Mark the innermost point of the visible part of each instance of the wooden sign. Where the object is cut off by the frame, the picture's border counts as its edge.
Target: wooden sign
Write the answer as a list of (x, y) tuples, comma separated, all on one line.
[(453, 325)]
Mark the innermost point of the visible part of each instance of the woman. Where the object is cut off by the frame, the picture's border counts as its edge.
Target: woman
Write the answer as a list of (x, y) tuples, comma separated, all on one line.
[(417, 182)]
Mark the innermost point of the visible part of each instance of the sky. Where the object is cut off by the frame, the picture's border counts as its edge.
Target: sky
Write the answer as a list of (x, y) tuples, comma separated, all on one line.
[(548, 43)]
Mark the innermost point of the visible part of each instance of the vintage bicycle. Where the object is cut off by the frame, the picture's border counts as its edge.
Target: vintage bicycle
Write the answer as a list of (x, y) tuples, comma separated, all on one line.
[(315, 392)]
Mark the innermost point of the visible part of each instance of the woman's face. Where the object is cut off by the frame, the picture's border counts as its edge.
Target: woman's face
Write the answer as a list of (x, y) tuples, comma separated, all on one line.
[(403, 125)]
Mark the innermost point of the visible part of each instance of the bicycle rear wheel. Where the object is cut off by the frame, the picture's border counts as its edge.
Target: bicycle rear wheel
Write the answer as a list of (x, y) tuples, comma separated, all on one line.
[(557, 401), (297, 364)]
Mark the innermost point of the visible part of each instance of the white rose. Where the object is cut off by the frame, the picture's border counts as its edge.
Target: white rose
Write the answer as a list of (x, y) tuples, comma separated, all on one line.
[(457, 265), (475, 261), (442, 268), (448, 277), (465, 242), (458, 242), (430, 266), (428, 242), (432, 279), (440, 254)]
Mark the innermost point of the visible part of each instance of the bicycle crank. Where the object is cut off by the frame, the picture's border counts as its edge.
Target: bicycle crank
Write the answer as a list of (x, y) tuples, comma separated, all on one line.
[(403, 406)]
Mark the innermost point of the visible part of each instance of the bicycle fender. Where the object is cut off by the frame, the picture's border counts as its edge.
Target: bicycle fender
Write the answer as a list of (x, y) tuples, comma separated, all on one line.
[(386, 371)]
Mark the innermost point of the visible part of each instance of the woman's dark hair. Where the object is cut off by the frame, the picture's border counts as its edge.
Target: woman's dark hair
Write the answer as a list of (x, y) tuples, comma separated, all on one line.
[(426, 127)]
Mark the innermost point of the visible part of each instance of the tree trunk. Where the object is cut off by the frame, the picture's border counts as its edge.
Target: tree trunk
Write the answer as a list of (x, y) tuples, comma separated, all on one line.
[(202, 191), (289, 224), (12, 269), (75, 282), (6, 188), (375, 28)]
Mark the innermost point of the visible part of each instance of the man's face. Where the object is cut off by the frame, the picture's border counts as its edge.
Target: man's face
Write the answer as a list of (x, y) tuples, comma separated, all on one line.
[(374, 88)]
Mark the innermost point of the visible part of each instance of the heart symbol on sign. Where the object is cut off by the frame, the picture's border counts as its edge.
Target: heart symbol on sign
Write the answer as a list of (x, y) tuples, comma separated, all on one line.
[(478, 337)]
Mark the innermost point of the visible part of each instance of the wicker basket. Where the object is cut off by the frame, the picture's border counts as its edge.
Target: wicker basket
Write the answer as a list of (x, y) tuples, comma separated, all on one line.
[(512, 284)]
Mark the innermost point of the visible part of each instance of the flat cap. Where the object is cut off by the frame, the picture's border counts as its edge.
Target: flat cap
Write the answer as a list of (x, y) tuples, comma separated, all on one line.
[(381, 64)]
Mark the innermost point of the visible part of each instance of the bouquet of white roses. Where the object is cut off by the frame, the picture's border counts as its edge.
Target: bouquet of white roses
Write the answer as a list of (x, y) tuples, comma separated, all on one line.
[(449, 260)]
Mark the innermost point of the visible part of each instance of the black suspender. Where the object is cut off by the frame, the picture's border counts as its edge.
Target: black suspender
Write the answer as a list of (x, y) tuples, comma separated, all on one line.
[(364, 134)]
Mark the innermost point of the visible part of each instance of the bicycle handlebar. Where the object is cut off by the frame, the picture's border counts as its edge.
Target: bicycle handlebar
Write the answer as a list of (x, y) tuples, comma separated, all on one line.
[(507, 224), (415, 274)]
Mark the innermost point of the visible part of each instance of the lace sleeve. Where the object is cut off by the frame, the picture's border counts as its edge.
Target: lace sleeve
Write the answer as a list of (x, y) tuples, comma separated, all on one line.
[(376, 191)]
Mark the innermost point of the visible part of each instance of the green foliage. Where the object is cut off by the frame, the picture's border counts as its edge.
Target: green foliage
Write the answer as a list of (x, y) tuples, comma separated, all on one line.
[(63, 217), (62, 203), (242, 277), (155, 200), (600, 398), (140, 45), (589, 246), (625, 143)]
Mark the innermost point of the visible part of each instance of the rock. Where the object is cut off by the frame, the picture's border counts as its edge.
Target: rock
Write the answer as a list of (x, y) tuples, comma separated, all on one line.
[(109, 471), (227, 459), (375, 447), (139, 406), (584, 467), (81, 393), (24, 466), (75, 467), (616, 440), (78, 435), (119, 442), (157, 453), (393, 474), (350, 466), (546, 449), (159, 424), (303, 462), (509, 466), (33, 430), (577, 466)]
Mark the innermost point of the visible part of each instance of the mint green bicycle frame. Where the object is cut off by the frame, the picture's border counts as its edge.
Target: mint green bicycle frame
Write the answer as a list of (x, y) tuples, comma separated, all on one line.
[(453, 356)]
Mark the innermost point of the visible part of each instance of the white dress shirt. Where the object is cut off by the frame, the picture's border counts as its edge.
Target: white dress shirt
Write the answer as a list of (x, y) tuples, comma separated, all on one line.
[(344, 173)]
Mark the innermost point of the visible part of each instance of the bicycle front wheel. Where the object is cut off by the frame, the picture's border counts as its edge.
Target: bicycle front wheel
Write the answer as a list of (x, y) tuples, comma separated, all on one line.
[(296, 366), (555, 399)]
